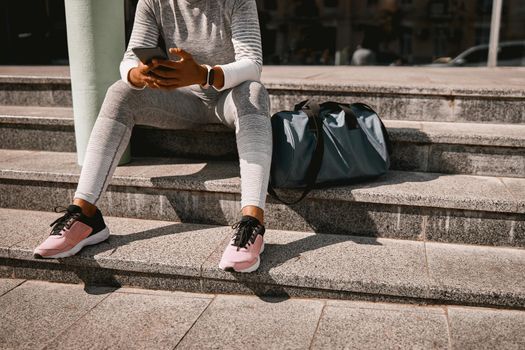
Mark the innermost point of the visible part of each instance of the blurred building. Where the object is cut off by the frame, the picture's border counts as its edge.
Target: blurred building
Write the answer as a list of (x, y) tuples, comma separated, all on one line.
[(304, 32), (33, 32), (399, 31)]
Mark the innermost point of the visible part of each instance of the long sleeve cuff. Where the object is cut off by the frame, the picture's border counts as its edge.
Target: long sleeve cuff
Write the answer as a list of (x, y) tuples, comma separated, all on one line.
[(238, 72), (125, 66)]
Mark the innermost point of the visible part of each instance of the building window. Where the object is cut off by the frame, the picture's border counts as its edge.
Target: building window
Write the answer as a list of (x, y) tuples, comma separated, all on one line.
[(309, 32)]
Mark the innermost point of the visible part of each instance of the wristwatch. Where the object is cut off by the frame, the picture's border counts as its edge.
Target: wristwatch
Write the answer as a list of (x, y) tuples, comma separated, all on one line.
[(210, 77)]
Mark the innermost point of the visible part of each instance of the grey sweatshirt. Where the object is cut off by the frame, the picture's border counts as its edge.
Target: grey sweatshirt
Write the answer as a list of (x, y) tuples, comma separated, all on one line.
[(216, 32)]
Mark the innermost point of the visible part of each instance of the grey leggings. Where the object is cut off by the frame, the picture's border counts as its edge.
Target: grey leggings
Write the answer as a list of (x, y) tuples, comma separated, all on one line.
[(245, 108)]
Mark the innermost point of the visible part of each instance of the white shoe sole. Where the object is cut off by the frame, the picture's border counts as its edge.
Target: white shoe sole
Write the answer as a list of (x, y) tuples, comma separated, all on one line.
[(249, 269), (94, 239)]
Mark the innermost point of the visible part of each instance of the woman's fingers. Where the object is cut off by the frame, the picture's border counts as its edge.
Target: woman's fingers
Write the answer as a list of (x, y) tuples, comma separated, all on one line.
[(156, 82), (166, 63), (165, 86), (167, 82), (165, 68), (145, 68), (150, 83), (180, 52), (167, 73)]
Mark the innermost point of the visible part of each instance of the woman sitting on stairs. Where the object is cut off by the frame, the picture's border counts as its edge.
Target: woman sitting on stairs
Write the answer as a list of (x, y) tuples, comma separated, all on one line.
[(213, 38)]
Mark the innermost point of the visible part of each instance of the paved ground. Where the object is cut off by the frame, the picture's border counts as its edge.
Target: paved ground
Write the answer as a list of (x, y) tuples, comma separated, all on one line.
[(38, 314)]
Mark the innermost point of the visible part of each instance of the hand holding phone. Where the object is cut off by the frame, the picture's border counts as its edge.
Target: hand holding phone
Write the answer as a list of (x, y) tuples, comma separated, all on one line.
[(159, 72), (147, 54), (144, 74)]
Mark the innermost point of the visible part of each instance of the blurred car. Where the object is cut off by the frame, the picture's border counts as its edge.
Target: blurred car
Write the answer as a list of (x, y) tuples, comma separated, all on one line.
[(510, 54)]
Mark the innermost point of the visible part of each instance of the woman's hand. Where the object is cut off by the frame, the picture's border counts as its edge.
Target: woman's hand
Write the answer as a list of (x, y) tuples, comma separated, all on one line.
[(181, 73), (140, 76)]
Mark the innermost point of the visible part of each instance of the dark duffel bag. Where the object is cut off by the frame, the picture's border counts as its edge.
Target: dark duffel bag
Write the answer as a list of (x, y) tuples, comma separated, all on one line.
[(327, 144)]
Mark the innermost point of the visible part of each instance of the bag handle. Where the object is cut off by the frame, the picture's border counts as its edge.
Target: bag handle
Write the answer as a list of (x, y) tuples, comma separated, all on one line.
[(350, 117), (312, 109)]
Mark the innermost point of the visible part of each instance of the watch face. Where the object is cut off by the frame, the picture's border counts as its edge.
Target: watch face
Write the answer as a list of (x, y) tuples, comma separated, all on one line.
[(211, 79)]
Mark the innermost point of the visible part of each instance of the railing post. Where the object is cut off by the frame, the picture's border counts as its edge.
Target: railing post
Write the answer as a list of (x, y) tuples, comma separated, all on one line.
[(95, 38), (495, 25)]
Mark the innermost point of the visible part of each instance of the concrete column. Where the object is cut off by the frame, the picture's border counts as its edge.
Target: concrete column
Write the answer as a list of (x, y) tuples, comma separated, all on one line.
[(96, 43), (495, 25)]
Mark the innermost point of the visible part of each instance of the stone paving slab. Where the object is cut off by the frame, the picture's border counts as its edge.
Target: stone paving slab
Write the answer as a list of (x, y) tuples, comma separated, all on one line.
[(36, 312), (159, 292), (386, 306), (134, 321), (477, 272), (8, 284), (64, 316), (367, 326), (476, 328), (397, 187), (238, 322)]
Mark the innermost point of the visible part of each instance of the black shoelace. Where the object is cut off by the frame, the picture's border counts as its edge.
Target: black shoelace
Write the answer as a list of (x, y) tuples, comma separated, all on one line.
[(246, 232), (65, 221)]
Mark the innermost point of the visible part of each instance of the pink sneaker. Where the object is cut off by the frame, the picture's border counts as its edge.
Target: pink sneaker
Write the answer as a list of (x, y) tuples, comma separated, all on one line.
[(242, 253), (72, 232)]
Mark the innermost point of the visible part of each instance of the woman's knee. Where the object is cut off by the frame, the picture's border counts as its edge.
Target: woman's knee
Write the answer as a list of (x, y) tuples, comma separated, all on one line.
[(251, 97), (121, 94), (120, 103), (253, 117)]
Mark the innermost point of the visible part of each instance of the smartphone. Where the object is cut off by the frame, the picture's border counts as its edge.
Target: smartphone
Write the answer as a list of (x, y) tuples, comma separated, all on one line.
[(147, 54)]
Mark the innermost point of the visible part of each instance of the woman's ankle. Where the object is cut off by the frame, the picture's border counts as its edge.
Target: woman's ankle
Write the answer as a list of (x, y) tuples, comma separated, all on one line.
[(88, 209), (254, 211)]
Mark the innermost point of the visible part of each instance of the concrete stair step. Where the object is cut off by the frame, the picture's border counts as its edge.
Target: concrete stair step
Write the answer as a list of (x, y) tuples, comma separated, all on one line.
[(444, 94), (403, 205), (177, 256), (466, 148), (37, 128)]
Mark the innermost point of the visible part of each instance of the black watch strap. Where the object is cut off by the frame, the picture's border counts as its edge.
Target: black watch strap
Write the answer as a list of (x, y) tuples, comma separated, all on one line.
[(211, 77)]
